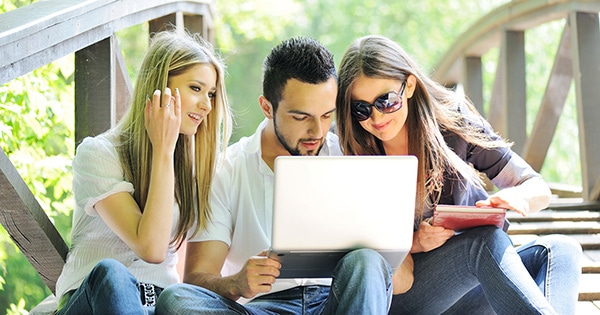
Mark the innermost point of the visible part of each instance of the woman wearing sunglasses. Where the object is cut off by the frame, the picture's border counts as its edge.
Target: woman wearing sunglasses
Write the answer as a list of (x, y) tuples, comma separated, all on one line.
[(387, 106)]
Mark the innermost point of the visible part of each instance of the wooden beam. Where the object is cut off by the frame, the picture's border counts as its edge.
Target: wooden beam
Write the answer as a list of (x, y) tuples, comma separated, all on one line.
[(585, 35), (123, 86), (163, 23), (198, 24), (49, 30), (553, 102), (495, 115), (487, 32), (29, 226), (514, 92), (474, 82), (94, 89)]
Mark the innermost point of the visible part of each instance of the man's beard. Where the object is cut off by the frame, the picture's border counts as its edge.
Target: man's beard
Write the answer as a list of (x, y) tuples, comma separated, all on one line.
[(287, 146)]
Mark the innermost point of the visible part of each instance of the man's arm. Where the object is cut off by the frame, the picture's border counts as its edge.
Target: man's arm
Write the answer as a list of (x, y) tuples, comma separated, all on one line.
[(203, 264)]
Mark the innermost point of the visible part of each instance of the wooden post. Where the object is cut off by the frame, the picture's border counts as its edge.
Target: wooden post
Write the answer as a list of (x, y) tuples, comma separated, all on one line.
[(515, 88), (553, 102), (474, 82), (585, 36), (94, 89)]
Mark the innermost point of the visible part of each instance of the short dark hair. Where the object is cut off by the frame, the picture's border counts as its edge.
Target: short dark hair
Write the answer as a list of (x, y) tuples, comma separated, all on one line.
[(300, 58)]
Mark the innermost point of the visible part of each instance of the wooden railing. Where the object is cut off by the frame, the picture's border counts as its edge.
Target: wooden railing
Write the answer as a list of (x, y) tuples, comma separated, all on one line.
[(45, 31), (577, 60)]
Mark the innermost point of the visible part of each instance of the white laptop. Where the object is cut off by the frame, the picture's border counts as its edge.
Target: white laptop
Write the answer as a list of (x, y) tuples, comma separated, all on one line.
[(325, 206)]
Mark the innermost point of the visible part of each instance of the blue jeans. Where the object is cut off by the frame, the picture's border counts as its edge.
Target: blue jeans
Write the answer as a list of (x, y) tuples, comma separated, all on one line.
[(109, 289), (480, 272), (361, 285), (553, 262)]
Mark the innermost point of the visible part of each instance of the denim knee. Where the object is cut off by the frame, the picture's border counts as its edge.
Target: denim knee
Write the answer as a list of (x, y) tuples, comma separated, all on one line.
[(184, 298), (364, 257), (172, 293), (364, 260), (110, 273), (561, 244)]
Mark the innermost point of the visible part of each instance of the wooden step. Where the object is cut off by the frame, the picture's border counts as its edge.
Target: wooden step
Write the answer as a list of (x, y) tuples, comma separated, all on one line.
[(578, 222), (587, 241), (588, 308), (554, 227), (589, 287), (554, 216)]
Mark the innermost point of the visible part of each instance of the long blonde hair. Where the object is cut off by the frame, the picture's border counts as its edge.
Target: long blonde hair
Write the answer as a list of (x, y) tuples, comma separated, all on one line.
[(171, 53), (432, 108)]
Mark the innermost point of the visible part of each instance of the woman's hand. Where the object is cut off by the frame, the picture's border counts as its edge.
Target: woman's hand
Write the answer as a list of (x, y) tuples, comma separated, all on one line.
[(503, 199), (429, 237), (163, 120), (530, 196)]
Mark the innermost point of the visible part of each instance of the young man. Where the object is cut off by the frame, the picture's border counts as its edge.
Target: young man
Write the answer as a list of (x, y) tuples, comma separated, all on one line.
[(227, 262)]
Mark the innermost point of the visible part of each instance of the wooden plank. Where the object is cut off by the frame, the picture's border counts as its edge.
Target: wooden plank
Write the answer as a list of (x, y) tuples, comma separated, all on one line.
[(123, 87), (486, 32), (586, 53), (553, 102), (495, 115), (574, 204), (163, 23), (550, 215), (554, 228), (587, 308), (94, 84), (201, 24), (474, 82), (76, 27), (589, 287), (588, 242), (28, 226), (594, 255), (514, 92), (588, 265)]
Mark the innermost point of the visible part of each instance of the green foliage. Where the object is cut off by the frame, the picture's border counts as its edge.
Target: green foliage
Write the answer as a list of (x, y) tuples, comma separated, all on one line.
[(37, 135), (133, 42), (426, 29), (36, 132)]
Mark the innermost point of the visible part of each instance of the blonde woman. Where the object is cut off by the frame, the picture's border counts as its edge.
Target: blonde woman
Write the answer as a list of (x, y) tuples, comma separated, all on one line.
[(143, 185), (387, 106)]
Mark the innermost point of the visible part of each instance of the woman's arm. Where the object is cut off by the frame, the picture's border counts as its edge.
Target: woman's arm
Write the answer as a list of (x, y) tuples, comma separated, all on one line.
[(530, 196), (148, 232)]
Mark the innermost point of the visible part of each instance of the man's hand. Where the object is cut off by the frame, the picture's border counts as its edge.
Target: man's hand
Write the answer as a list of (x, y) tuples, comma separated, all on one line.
[(257, 275)]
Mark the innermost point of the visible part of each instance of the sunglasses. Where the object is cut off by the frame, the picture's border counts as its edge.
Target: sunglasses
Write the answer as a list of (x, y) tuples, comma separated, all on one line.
[(386, 104)]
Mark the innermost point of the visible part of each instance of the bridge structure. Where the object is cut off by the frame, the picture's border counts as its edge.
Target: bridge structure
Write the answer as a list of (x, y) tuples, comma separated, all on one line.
[(45, 31), (576, 62)]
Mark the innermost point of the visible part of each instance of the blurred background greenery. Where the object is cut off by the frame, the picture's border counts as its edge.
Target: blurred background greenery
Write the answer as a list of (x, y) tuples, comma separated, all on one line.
[(36, 110)]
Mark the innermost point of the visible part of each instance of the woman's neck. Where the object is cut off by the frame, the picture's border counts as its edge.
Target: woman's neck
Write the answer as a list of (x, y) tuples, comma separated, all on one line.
[(397, 145)]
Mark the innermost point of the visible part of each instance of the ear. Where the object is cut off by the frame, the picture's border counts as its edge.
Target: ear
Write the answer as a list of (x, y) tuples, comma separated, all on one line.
[(411, 85), (265, 106)]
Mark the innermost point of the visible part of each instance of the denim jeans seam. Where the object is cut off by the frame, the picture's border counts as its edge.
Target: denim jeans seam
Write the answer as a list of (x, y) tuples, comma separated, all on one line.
[(533, 305), (548, 272)]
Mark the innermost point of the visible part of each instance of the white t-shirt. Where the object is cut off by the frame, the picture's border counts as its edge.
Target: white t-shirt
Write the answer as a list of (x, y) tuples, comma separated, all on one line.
[(98, 174), (242, 204)]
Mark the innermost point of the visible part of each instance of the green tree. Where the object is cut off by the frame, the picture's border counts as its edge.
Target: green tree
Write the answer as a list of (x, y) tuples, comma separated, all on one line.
[(36, 132)]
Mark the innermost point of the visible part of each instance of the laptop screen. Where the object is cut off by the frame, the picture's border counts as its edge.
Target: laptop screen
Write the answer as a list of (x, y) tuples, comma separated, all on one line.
[(325, 206)]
